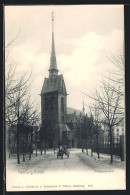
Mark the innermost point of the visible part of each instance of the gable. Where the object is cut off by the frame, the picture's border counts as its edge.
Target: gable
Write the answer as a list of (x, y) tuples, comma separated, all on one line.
[(55, 84)]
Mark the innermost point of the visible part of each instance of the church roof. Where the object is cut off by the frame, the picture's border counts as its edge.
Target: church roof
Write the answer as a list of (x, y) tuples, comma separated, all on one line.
[(73, 110), (54, 84), (70, 118)]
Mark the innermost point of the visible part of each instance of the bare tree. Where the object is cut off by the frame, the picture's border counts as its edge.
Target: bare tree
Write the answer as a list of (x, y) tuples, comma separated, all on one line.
[(97, 125), (10, 43), (81, 130), (19, 111), (30, 117), (117, 76), (85, 130), (91, 131), (108, 101)]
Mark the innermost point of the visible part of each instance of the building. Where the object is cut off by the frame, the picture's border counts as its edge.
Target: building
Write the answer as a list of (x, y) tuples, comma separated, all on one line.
[(26, 138), (119, 131), (54, 128)]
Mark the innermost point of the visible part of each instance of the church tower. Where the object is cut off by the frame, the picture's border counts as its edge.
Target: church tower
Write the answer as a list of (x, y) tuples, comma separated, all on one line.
[(53, 103)]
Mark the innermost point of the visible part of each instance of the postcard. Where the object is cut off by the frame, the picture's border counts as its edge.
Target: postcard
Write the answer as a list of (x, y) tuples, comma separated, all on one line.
[(64, 97)]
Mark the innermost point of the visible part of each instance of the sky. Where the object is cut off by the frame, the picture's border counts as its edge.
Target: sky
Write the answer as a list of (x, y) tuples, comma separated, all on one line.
[(85, 38)]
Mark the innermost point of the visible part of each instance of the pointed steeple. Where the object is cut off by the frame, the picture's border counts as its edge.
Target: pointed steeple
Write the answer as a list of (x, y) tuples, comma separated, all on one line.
[(53, 65), (83, 108)]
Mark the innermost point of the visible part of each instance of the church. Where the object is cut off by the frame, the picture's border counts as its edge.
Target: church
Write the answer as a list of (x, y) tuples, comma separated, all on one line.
[(55, 126)]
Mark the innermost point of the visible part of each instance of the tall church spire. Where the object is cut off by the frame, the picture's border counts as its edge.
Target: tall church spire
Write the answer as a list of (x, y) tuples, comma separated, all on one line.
[(53, 65), (83, 108)]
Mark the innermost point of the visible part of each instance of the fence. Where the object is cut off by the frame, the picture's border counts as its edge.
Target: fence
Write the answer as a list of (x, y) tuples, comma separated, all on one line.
[(117, 148)]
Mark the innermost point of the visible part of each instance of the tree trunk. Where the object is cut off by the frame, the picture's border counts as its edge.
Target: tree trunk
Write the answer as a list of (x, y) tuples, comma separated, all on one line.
[(26, 145), (18, 159), (82, 146), (30, 150), (9, 145), (45, 147), (45, 141), (98, 147), (87, 146), (111, 146), (122, 152), (41, 152), (91, 147), (31, 143), (87, 151), (36, 150), (30, 155), (41, 147), (36, 143), (23, 153)]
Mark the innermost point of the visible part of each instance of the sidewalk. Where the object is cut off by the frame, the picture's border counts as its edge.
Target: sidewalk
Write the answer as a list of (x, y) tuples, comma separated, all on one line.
[(106, 158)]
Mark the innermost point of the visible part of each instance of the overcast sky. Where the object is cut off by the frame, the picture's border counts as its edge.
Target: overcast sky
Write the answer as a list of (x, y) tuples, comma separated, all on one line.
[(85, 38)]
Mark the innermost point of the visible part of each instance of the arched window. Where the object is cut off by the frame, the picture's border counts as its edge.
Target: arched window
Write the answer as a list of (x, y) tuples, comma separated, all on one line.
[(62, 104)]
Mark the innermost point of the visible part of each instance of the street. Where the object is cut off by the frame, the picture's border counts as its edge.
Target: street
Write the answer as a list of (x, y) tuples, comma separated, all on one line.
[(77, 161), (79, 168)]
